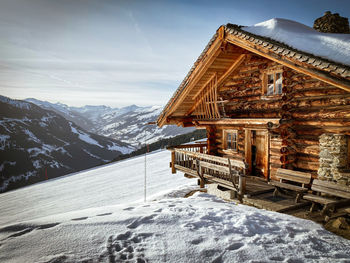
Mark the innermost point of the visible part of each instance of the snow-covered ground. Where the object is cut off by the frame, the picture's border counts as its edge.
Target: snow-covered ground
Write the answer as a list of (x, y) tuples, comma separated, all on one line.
[(99, 216)]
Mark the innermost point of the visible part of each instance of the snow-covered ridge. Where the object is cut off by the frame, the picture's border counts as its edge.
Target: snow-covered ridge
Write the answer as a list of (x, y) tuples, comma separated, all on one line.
[(16, 103), (84, 136), (127, 124), (35, 142), (333, 47)]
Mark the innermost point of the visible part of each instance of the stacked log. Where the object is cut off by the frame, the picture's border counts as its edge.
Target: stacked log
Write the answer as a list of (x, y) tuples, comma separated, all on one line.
[(212, 145), (288, 150), (333, 158)]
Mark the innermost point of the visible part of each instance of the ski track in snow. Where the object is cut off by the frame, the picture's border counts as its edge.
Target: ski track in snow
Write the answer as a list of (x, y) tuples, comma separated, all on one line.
[(98, 216)]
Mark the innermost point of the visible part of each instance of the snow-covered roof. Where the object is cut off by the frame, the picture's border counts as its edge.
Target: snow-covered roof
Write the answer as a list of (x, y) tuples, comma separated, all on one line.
[(333, 47)]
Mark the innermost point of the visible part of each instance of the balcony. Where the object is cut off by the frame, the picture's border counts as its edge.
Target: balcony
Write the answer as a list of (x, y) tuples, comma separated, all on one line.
[(193, 160)]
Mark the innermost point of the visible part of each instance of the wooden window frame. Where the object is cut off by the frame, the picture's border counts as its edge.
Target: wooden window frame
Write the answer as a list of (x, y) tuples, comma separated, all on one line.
[(225, 144), (265, 82)]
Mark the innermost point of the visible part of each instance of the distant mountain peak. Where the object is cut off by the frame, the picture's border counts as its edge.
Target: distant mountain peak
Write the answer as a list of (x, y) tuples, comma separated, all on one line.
[(126, 124)]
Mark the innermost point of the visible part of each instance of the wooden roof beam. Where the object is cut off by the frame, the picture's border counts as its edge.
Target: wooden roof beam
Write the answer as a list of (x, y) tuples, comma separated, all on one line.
[(221, 80), (246, 121), (202, 67), (317, 74)]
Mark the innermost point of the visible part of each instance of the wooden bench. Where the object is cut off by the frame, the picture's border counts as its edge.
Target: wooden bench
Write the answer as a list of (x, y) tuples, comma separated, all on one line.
[(287, 177), (330, 188)]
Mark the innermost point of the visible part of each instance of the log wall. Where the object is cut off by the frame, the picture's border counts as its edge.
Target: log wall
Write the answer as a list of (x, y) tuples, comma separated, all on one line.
[(307, 108)]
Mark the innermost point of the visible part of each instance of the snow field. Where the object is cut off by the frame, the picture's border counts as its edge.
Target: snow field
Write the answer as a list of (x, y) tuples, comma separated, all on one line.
[(99, 216)]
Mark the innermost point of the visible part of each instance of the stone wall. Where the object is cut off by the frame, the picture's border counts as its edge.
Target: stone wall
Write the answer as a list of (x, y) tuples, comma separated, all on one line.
[(334, 158), (332, 23)]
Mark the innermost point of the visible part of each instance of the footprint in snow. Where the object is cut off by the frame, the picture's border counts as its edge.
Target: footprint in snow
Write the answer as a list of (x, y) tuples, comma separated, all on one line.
[(277, 258), (21, 230), (141, 220), (129, 208), (126, 247), (158, 210), (21, 233), (105, 214), (197, 241), (47, 226), (80, 218), (235, 246)]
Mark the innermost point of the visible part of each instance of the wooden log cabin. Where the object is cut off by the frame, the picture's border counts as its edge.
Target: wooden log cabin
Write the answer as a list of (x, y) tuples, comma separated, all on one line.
[(267, 105)]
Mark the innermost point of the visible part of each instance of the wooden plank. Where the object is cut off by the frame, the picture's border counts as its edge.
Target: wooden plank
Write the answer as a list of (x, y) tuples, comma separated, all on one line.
[(242, 121), (218, 159), (216, 100), (204, 86), (320, 199), (186, 170), (173, 170), (288, 186), (330, 191), (248, 149), (294, 176), (233, 67), (219, 168), (331, 185)]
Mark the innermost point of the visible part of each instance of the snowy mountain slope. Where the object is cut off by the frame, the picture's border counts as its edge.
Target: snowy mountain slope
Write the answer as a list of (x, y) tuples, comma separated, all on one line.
[(94, 216), (64, 111), (127, 124), (132, 127), (36, 143)]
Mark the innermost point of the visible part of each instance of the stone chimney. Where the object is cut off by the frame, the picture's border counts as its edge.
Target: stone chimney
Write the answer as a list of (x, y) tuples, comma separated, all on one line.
[(332, 23)]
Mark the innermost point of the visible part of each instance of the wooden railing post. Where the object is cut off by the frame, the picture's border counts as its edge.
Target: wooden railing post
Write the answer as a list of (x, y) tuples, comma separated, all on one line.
[(242, 181), (201, 149), (200, 174), (173, 170)]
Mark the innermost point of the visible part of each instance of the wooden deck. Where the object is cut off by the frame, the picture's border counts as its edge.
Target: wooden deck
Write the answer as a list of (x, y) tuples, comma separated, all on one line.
[(255, 192), (260, 194)]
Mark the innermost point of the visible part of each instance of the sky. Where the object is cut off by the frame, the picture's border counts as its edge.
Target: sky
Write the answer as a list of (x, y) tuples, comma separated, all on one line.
[(118, 53)]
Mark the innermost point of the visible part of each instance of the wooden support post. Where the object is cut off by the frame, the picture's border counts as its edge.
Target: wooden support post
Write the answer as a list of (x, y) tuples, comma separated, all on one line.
[(232, 174), (200, 174), (173, 170), (202, 184), (242, 186)]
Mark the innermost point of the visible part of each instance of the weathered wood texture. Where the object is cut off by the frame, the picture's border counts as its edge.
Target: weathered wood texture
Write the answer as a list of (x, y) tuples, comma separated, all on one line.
[(307, 108)]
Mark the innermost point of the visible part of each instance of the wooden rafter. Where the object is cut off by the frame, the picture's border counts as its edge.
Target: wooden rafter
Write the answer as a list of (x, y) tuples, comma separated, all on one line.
[(198, 73), (220, 81), (207, 101)]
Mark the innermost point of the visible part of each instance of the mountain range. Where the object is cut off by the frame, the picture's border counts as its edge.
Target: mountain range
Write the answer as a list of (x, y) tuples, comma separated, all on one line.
[(37, 144), (41, 140), (128, 124)]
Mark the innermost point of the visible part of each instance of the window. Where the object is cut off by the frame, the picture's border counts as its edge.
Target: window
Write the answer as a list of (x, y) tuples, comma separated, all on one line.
[(230, 140), (273, 83)]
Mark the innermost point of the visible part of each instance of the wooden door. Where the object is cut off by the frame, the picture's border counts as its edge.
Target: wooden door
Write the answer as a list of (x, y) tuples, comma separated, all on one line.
[(256, 152)]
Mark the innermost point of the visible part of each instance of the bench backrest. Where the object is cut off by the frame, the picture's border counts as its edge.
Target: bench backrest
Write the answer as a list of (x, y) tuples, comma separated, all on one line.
[(294, 176), (331, 188)]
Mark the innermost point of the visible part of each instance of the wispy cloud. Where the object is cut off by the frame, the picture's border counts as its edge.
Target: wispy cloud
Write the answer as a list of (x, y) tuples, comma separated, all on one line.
[(115, 52)]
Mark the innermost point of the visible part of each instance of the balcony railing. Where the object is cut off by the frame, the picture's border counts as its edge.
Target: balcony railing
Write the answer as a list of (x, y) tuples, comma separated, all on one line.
[(193, 160), (191, 147)]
